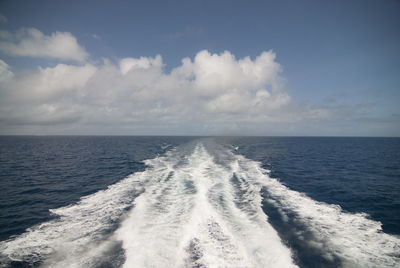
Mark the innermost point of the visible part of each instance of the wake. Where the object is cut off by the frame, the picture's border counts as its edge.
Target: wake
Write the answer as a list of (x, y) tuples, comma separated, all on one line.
[(195, 217), (199, 205)]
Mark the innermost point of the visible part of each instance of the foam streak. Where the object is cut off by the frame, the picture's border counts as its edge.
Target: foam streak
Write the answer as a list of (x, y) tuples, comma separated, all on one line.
[(196, 218)]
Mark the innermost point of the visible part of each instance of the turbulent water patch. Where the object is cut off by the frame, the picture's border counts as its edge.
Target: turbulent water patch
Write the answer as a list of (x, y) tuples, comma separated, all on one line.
[(193, 219), (201, 205)]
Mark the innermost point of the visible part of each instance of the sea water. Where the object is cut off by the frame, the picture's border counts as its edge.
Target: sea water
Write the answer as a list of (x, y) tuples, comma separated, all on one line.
[(199, 202)]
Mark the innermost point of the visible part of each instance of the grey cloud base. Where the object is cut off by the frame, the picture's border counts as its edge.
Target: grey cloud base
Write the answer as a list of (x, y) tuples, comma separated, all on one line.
[(209, 90), (211, 94)]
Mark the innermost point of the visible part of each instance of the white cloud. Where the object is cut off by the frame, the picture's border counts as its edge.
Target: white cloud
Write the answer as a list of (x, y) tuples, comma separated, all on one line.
[(5, 73), (31, 42), (48, 84), (215, 73), (214, 92), (128, 64), (47, 96)]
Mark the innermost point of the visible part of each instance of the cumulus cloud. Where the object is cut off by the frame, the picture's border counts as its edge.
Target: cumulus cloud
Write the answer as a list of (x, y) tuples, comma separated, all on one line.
[(209, 91), (30, 42), (5, 73), (45, 96), (211, 87), (128, 64)]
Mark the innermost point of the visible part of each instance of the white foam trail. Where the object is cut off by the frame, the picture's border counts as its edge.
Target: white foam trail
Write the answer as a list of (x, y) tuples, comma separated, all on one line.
[(192, 218), (355, 239), (76, 238), (197, 210)]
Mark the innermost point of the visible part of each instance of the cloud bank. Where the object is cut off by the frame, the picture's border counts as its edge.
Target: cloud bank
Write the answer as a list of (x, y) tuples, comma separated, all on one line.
[(208, 89), (209, 94), (31, 42)]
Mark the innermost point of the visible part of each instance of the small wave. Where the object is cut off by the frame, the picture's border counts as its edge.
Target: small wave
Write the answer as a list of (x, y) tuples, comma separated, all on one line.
[(352, 237), (78, 236), (198, 205), (190, 218)]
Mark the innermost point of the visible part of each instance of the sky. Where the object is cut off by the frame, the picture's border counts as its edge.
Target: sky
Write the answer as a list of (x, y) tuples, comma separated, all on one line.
[(194, 67)]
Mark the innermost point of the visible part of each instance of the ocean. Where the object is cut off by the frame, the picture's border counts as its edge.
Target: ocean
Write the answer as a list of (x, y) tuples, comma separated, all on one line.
[(93, 201)]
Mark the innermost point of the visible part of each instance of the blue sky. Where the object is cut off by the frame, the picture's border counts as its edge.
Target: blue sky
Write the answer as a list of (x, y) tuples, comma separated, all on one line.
[(339, 67)]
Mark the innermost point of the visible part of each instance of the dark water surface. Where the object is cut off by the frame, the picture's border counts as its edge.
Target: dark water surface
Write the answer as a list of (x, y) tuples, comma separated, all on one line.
[(41, 173), (359, 174), (43, 180)]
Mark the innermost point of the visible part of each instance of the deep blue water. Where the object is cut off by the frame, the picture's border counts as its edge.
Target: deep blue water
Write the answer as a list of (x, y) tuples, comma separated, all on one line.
[(40, 173), (358, 174)]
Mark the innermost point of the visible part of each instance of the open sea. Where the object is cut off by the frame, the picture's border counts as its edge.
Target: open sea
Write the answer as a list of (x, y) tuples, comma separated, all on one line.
[(82, 201)]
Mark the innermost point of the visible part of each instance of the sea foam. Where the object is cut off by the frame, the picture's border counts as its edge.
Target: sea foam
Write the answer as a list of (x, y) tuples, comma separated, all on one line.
[(191, 218), (353, 238), (198, 205)]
